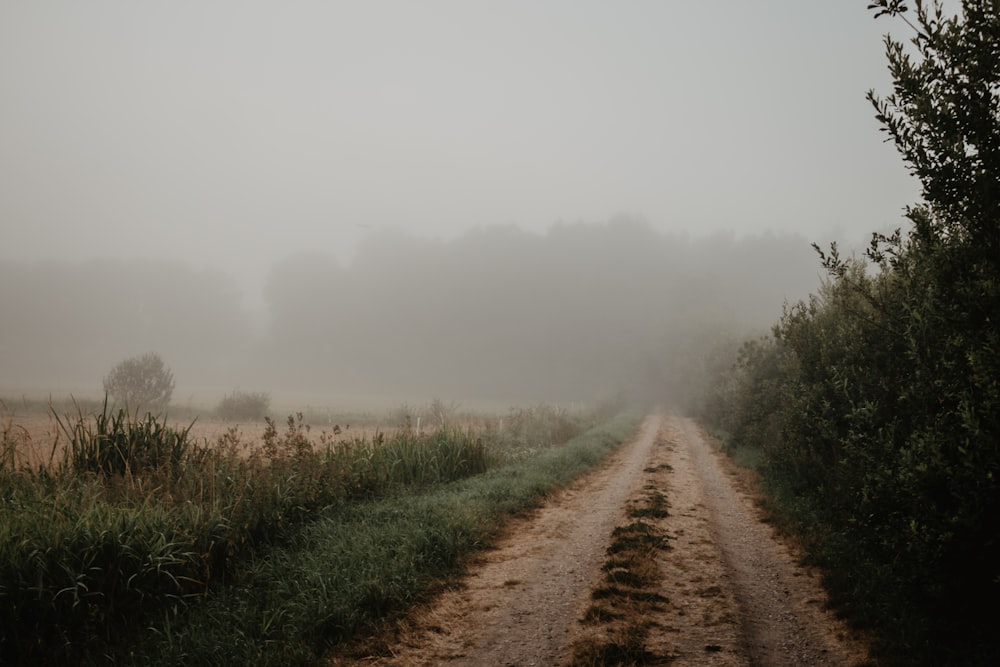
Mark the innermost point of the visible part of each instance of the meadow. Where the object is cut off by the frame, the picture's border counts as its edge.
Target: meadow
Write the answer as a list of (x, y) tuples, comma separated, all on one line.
[(126, 539)]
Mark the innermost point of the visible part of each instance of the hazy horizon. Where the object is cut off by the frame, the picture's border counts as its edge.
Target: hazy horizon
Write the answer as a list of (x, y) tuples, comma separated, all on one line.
[(498, 314), (237, 140)]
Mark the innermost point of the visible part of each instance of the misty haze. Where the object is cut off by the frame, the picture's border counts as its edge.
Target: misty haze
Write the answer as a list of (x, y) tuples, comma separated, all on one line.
[(528, 332), (579, 313), (384, 202)]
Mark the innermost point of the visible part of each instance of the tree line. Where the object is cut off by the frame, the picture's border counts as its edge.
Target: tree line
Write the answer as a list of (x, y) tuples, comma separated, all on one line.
[(575, 313)]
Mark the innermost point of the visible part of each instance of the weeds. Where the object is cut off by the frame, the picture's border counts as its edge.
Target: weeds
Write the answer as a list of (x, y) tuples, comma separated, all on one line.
[(619, 620), (120, 443), (357, 565), (16, 443), (622, 647), (137, 524), (12, 438)]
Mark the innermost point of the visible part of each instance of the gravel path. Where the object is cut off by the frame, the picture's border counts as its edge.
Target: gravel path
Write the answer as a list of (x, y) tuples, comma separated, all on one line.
[(736, 594), (521, 600), (780, 605)]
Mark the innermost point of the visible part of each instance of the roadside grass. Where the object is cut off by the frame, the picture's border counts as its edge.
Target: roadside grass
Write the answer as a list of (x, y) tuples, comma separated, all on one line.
[(359, 565), (622, 614), (135, 523)]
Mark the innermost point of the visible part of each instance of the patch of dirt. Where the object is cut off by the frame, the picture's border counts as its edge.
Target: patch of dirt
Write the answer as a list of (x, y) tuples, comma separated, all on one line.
[(719, 588)]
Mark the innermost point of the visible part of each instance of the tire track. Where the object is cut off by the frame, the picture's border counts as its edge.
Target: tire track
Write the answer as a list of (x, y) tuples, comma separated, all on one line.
[(521, 601), (781, 608), (731, 593)]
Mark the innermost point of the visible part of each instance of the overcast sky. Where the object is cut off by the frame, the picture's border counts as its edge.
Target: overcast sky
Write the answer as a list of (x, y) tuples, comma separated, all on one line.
[(238, 133)]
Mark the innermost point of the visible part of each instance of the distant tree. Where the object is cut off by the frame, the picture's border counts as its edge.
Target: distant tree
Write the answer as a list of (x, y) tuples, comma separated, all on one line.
[(141, 383), (240, 404)]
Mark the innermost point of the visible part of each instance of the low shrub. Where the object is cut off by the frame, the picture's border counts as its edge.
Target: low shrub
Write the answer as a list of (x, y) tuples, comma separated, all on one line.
[(244, 405)]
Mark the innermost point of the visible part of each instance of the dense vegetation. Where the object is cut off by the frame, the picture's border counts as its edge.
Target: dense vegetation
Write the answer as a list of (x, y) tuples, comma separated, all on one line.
[(106, 551), (874, 408)]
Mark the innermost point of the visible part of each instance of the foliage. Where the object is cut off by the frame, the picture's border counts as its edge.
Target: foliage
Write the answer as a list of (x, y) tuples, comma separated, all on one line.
[(141, 383), (536, 426), (77, 572), (351, 568), (137, 522), (119, 443), (876, 404), (247, 405)]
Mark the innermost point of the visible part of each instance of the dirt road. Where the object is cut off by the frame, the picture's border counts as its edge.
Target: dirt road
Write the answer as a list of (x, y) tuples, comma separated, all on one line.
[(654, 558)]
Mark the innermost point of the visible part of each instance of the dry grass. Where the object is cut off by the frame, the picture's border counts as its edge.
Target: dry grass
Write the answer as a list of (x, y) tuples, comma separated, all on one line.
[(35, 439), (626, 604)]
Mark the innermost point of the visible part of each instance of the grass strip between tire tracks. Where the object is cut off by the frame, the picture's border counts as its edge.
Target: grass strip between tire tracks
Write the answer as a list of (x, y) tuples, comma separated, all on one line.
[(361, 564)]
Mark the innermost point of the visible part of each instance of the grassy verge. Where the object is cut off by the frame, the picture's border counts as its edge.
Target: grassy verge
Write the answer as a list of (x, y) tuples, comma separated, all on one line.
[(360, 564), (136, 523), (625, 605)]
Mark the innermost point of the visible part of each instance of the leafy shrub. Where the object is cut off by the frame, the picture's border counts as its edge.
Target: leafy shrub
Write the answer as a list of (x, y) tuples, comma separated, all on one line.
[(141, 383), (876, 407), (871, 434), (245, 405)]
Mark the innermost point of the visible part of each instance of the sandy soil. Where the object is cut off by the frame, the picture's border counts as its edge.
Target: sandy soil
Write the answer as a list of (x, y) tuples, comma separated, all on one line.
[(735, 593)]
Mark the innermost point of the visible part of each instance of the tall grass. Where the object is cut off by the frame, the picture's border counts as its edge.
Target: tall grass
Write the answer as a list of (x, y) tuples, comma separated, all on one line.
[(117, 442), (75, 570), (353, 567), (137, 521)]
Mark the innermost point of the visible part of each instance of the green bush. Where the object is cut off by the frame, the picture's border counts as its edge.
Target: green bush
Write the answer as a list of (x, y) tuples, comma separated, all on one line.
[(876, 444), (876, 406), (244, 405)]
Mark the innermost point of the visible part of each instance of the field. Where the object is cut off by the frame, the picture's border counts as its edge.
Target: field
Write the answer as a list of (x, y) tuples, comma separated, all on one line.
[(145, 541), (31, 435), (40, 440)]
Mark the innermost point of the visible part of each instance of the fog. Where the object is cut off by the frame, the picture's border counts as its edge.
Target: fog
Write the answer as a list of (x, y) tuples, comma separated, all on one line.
[(388, 200), (579, 313)]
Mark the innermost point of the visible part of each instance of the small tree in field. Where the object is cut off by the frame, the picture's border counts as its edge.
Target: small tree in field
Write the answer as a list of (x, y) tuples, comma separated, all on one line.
[(141, 383)]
